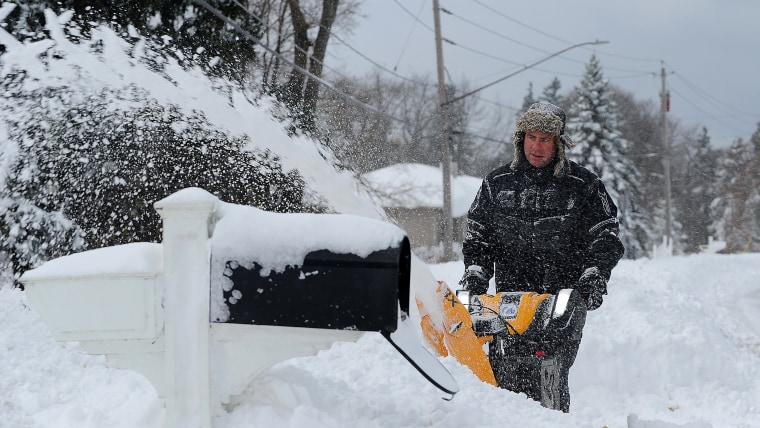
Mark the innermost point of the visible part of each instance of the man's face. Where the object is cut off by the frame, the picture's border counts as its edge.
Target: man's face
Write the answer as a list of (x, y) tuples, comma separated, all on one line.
[(539, 148)]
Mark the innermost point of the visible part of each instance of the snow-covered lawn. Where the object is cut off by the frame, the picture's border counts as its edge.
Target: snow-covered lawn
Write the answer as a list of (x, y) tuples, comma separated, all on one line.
[(677, 341)]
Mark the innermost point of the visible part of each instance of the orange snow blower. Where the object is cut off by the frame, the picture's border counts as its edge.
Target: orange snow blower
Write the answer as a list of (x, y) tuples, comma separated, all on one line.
[(522, 331)]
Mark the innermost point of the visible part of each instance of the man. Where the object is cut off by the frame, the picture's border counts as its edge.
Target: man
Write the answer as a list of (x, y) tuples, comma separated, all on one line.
[(542, 224)]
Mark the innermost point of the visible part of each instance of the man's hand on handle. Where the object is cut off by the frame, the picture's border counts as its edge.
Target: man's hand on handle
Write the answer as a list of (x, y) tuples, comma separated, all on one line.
[(592, 286)]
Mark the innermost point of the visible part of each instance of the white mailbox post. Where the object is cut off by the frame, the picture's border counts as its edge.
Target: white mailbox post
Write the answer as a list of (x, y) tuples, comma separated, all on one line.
[(147, 307), (186, 217)]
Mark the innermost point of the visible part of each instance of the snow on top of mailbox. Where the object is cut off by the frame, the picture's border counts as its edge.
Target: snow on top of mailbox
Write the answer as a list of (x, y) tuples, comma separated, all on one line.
[(138, 258), (188, 197), (277, 240)]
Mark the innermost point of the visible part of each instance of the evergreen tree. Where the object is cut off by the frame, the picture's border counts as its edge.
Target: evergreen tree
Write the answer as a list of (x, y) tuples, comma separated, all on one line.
[(694, 190), (754, 199), (594, 124), (551, 93), (643, 127), (528, 100), (736, 212)]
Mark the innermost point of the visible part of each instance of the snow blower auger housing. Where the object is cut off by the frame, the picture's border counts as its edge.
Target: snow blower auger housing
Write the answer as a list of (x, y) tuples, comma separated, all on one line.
[(526, 333)]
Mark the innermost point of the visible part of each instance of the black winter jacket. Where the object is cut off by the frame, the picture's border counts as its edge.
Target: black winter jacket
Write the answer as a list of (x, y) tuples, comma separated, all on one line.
[(538, 232)]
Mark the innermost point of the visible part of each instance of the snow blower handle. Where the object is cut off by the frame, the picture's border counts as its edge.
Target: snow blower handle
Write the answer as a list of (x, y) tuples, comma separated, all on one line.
[(464, 298), (469, 300)]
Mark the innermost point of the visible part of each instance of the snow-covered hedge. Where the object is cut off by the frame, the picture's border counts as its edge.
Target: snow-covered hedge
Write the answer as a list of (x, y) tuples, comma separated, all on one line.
[(90, 141)]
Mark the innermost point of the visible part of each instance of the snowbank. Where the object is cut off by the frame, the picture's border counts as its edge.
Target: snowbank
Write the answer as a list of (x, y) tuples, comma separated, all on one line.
[(676, 344)]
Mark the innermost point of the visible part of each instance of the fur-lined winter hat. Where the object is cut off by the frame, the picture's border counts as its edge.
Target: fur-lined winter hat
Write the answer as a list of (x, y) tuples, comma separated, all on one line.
[(546, 118)]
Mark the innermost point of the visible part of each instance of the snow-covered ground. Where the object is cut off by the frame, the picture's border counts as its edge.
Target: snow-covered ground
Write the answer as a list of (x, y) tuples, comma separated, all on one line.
[(677, 343)]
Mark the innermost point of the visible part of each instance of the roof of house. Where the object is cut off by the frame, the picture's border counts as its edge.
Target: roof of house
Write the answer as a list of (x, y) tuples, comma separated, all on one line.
[(414, 185)]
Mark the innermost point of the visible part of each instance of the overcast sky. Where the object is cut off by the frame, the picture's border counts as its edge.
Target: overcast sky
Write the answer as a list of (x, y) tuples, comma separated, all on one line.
[(710, 50)]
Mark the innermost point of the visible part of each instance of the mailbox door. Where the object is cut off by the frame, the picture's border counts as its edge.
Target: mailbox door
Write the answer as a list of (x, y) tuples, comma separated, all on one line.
[(329, 290)]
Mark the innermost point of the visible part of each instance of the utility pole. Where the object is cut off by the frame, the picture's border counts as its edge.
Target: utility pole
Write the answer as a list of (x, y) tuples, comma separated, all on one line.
[(664, 108), (447, 221), (446, 133)]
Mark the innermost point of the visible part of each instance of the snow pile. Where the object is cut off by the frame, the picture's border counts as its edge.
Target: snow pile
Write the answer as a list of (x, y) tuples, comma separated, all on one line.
[(677, 341), (276, 240), (676, 344), (137, 258), (45, 384), (685, 342)]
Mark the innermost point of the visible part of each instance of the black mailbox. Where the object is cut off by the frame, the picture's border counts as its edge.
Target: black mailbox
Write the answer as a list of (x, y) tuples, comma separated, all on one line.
[(329, 290)]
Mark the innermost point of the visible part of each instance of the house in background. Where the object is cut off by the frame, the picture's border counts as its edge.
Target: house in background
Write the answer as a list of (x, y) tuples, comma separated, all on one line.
[(412, 194)]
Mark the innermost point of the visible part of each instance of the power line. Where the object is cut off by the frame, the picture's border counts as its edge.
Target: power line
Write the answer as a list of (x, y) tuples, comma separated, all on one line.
[(267, 27), (523, 69), (374, 110), (409, 36), (414, 81), (485, 100), (451, 82), (392, 72), (625, 73), (487, 55), (368, 59), (729, 110), (332, 34), (453, 43), (495, 33), (319, 80), (709, 98), (536, 30), (712, 116), (520, 66), (515, 41), (374, 63), (416, 18), (515, 21), (476, 51), (342, 94)]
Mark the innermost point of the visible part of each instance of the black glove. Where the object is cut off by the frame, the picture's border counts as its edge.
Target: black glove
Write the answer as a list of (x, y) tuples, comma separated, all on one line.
[(592, 286), (474, 280)]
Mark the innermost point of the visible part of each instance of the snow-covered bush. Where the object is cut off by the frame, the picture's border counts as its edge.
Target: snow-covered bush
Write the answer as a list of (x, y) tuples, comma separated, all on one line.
[(85, 154), (90, 168)]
